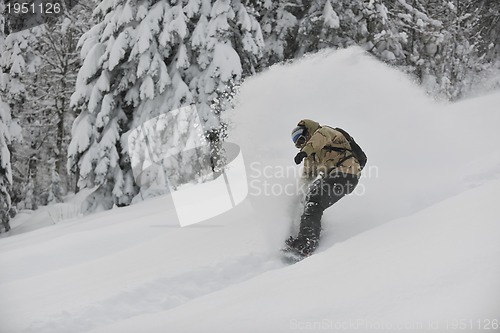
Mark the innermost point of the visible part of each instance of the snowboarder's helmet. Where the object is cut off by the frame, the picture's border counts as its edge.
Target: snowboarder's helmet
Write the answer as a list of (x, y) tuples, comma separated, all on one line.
[(299, 136)]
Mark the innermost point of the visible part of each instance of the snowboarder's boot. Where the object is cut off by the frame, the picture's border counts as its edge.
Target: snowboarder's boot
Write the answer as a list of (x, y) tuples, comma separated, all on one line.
[(290, 242), (307, 245), (302, 245)]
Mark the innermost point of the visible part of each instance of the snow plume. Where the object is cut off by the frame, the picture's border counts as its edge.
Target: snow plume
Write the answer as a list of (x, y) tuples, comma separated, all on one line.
[(414, 155)]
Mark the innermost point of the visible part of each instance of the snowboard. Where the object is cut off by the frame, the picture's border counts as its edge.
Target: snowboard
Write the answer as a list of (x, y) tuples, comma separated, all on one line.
[(291, 256)]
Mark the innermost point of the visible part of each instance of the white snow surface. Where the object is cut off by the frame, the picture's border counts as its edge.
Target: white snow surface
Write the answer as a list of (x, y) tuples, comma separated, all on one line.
[(414, 249)]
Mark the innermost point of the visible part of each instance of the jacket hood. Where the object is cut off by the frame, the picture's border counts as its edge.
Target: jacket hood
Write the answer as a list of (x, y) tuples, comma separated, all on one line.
[(311, 126)]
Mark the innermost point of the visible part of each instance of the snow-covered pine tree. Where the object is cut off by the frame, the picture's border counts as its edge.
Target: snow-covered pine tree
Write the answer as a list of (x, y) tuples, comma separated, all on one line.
[(19, 62), (5, 166), (488, 28), (320, 26), (143, 59), (440, 49), (279, 23), (227, 45), (123, 82), (55, 190), (379, 34), (487, 41), (461, 58), (49, 97), (9, 131)]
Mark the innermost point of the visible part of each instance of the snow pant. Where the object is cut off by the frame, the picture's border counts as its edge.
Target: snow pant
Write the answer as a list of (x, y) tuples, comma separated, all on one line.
[(322, 194)]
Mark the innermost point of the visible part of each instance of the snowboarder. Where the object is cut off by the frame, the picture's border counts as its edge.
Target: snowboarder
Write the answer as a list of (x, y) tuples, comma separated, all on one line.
[(330, 158)]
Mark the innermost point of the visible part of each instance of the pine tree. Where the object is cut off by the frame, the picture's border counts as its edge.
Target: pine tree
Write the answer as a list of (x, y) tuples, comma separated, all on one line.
[(320, 27), (19, 62), (227, 44), (441, 48), (49, 96), (56, 191), (13, 94), (379, 34), (486, 32), (5, 166), (279, 24), (488, 28), (9, 132)]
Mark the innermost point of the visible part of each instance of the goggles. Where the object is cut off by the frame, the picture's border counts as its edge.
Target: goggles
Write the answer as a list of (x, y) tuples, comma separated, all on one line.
[(301, 140), (299, 136)]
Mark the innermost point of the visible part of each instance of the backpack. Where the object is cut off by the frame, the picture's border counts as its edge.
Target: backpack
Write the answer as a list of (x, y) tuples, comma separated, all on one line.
[(356, 150)]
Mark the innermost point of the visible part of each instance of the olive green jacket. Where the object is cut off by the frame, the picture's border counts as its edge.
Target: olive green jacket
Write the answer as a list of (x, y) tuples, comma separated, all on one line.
[(321, 156)]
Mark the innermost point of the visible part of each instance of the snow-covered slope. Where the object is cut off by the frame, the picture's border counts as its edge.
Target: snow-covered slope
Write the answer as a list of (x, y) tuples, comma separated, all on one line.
[(416, 245), (428, 272)]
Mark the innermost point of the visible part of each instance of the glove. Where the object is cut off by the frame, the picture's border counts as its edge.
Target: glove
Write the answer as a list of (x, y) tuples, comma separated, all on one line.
[(299, 157)]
